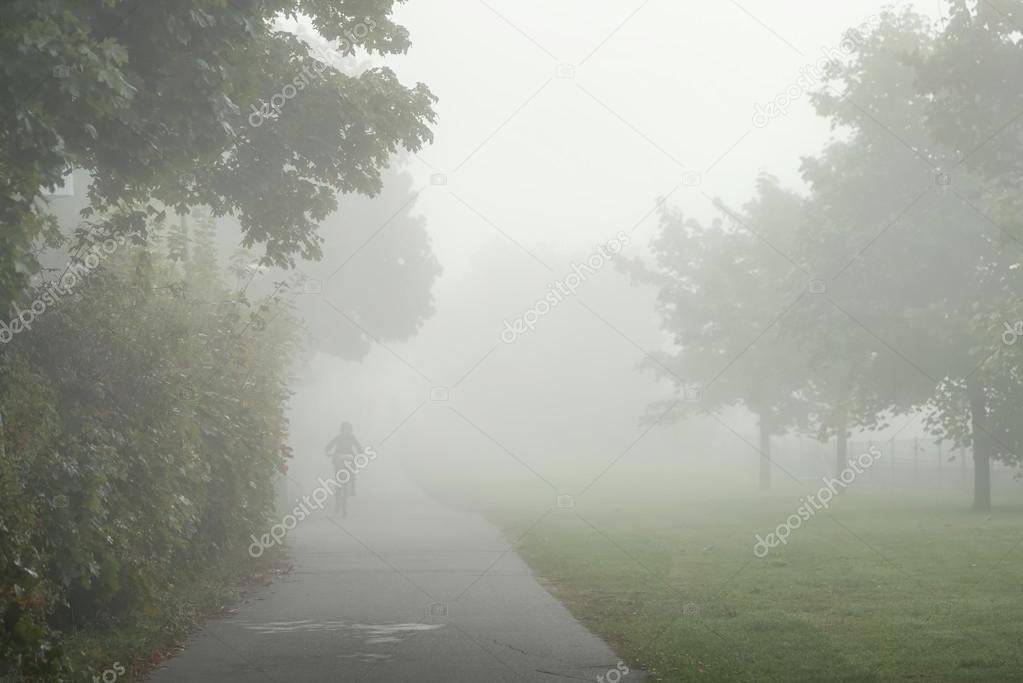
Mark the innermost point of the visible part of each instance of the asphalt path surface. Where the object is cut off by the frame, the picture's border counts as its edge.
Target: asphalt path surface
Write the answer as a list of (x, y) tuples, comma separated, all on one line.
[(403, 589)]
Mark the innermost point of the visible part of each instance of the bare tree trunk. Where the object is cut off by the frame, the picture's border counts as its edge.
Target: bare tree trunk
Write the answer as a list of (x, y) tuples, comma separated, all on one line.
[(842, 444), (765, 454), (981, 449)]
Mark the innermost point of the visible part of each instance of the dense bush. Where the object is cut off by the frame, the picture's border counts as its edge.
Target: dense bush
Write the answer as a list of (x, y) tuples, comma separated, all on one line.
[(142, 424)]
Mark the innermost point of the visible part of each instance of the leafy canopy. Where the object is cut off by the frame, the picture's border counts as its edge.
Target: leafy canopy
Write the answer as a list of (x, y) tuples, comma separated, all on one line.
[(155, 101)]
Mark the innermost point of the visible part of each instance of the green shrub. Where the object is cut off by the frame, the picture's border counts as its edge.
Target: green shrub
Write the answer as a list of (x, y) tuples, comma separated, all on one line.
[(142, 425)]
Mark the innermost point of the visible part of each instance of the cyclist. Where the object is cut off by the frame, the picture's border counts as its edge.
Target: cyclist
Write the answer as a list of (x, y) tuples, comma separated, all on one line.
[(340, 450)]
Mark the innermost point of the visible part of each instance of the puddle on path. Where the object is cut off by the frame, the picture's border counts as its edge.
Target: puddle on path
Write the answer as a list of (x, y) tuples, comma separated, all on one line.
[(389, 631), (369, 634)]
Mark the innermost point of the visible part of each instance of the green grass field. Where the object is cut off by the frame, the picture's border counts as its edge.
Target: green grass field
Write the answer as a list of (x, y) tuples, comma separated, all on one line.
[(873, 590), (658, 560)]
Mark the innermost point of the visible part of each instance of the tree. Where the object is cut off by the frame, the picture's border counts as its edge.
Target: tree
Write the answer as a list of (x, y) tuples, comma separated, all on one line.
[(911, 261), (722, 291), (852, 380), (194, 103), (970, 78), (379, 247)]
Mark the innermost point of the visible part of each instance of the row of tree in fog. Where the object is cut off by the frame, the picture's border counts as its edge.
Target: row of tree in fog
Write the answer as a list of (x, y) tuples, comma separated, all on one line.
[(890, 288)]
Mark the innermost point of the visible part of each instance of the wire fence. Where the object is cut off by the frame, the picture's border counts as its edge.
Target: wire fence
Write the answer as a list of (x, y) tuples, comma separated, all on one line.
[(915, 464)]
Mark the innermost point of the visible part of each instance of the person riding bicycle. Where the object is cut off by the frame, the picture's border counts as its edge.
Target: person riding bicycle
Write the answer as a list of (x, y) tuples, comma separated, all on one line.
[(341, 450)]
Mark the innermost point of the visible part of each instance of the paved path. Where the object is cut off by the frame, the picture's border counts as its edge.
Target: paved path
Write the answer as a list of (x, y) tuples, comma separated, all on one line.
[(404, 589)]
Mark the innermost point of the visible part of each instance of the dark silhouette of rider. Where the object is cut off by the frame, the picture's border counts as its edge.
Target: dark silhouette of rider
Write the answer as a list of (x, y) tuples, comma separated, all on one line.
[(341, 449)]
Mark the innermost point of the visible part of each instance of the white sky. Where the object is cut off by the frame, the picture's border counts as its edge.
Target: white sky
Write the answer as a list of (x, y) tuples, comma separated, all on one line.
[(661, 88)]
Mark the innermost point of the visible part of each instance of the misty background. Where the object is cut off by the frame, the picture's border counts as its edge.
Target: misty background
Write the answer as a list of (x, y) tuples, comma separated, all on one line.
[(569, 124)]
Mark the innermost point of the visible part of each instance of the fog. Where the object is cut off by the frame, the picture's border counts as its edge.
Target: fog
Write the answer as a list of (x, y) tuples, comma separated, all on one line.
[(384, 341)]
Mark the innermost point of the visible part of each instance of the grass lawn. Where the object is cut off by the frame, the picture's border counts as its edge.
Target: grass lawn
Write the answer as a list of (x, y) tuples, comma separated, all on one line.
[(658, 560), (872, 590)]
